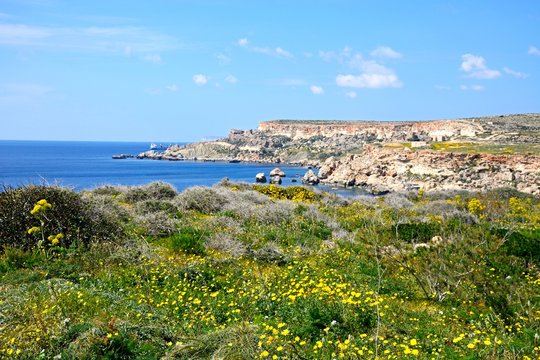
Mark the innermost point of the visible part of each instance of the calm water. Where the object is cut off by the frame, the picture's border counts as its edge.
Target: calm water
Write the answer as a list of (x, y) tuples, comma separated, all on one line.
[(85, 165)]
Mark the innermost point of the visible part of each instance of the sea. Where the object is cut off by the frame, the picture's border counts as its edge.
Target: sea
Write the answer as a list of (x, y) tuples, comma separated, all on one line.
[(82, 165)]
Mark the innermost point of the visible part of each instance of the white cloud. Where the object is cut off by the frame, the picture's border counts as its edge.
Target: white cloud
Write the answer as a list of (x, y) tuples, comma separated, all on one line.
[(223, 59), (369, 81), (266, 50), (373, 76), (386, 52), (533, 50), (111, 40), (281, 52), (515, 73), (153, 58), (339, 56), (172, 87), (317, 90), (200, 79), (231, 79), (475, 67), (351, 94), (308, 54), (277, 52), (472, 87), (327, 55)]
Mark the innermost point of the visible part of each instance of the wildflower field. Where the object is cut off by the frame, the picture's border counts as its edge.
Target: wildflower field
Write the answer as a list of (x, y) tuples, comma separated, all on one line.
[(238, 271)]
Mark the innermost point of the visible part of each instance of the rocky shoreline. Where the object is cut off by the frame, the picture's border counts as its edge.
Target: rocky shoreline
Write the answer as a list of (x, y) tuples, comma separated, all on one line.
[(386, 156)]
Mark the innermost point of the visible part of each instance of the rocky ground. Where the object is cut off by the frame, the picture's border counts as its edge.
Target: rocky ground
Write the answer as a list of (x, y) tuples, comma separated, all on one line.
[(390, 156)]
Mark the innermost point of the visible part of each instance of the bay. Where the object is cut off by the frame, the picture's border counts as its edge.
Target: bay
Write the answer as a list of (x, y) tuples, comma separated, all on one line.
[(85, 165)]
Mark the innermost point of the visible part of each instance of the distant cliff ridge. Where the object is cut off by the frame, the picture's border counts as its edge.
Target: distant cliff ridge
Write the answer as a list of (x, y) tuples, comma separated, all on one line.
[(425, 145), (379, 131)]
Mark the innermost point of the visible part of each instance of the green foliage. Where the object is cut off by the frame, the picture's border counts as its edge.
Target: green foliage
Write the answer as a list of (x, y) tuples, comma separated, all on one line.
[(203, 200), (416, 232), (189, 240), (294, 193), (230, 272), (156, 191), (522, 243), (69, 214)]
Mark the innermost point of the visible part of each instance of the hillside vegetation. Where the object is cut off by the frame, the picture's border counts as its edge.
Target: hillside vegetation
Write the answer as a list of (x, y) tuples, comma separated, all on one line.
[(242, 271)]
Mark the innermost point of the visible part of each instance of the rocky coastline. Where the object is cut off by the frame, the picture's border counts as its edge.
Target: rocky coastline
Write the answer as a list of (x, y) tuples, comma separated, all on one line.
[(388, 156)]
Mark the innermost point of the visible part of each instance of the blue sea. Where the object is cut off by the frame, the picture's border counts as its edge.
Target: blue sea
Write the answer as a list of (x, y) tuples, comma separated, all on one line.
[(86, 165)]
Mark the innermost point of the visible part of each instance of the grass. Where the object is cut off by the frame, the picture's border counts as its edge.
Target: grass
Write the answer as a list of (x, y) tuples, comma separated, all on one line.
[(264, 272), (521, 149)]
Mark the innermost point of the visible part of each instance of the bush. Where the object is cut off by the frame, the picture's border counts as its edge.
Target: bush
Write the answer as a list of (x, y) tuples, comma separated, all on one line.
[(154, 206), (523, 243), (189, 240), (416, 232), (204, 200), (156, 224), (294, 193), (154, 191), (77, 219)]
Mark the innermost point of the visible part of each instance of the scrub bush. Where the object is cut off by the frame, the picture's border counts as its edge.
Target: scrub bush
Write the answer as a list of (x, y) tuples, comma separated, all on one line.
[(79, 220)]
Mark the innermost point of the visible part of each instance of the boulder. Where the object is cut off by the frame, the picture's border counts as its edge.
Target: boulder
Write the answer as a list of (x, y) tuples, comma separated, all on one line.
[(276, 179), (310, 178), (260, 178), (277, 172)]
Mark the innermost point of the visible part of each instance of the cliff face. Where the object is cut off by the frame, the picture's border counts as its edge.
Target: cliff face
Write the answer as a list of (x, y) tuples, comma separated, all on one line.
[(382, 169), (378, 131), (380, 155)]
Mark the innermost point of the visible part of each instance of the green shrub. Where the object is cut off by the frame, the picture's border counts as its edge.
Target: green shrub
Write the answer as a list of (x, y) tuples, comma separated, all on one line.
[(154, 191), (153, 206), (416, 232), (77, 219), (189, 240), (204, 200), (17, 258), (523, 243)]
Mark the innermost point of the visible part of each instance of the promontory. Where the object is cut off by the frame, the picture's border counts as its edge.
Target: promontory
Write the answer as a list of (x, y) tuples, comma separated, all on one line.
[(469, 153)]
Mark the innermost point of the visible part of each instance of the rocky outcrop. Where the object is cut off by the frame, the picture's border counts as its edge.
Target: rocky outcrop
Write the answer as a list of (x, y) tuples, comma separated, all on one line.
[(382, 156), (277, 172), (310, 178), (260, 178), (381, 169), (276, 179)]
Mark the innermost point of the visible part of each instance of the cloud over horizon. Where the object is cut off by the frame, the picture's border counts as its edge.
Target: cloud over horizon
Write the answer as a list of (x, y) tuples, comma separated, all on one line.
[(533, 50), (200, 79), (317, 90), (476, 68), (265, 50), (386, 52)]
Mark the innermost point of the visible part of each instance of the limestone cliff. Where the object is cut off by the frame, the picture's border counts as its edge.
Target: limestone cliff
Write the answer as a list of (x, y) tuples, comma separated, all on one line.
[(389, 155)]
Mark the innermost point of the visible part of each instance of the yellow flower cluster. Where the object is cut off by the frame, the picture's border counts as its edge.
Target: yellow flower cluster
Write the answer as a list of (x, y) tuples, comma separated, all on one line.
[(55, 239), (40, 207), (33, 230), (476, 207)]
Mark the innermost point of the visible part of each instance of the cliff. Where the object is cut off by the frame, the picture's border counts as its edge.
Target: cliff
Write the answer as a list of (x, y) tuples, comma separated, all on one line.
[(471, 153)]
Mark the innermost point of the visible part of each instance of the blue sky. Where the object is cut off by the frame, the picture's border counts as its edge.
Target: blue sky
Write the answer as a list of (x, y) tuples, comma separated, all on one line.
[(181, 70)]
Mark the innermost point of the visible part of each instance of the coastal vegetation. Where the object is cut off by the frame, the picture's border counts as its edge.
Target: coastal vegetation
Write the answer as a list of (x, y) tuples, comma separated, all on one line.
[(240, 271)]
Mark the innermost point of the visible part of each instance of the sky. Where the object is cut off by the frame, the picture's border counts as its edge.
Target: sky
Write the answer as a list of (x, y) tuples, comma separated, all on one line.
[(185, 70)]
